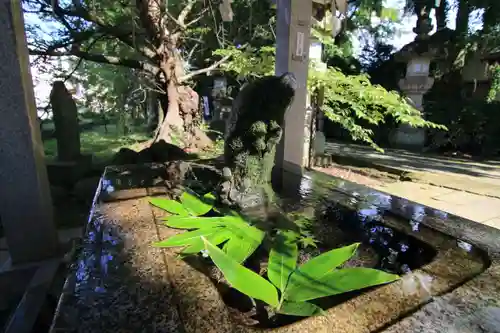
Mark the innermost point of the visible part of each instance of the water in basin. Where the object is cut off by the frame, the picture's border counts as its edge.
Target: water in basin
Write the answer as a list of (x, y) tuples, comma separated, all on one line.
[(392, 231)]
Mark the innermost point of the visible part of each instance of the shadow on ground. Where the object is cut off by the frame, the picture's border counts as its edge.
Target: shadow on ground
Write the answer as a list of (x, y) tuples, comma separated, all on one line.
[(418, 162)]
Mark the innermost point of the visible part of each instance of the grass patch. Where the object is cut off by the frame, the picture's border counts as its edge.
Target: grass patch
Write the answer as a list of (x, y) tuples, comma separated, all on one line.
[(49, 124), (103, 145), (100, 144)]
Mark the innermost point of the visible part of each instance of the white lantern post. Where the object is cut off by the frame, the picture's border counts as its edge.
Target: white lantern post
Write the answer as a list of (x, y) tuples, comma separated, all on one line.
[(318, 137)]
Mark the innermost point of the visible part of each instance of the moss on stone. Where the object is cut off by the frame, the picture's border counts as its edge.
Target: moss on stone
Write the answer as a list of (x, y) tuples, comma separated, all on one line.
[(251, 144)]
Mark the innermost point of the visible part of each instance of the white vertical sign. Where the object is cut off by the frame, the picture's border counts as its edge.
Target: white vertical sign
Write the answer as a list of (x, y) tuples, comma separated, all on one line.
[(299, 48)]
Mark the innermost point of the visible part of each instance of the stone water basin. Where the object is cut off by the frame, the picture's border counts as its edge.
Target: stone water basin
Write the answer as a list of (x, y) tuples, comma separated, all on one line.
[(121, 284)]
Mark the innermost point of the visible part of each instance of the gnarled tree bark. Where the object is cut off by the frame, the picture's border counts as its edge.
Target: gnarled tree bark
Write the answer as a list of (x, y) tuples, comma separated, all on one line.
[(157, 55)]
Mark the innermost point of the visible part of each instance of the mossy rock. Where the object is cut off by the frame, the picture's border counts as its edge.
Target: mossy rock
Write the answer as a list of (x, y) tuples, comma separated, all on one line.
[(254, 130)]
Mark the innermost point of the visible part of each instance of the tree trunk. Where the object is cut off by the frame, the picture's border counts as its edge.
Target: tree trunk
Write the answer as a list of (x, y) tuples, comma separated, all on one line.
[(151, 111), (179, 103), (462, 20), (442, 14), (491, 16), (181, 123)]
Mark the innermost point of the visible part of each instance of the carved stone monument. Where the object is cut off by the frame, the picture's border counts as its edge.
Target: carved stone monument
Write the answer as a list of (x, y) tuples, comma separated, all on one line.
[(65, 115), (255, 129), (70, 165)]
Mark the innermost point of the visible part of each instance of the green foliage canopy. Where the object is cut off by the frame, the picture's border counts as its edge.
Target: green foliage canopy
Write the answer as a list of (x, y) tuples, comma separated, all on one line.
[(349, 100)]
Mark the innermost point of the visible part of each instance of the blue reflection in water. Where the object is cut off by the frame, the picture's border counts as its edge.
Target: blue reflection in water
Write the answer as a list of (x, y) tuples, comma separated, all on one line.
[(108, 237), (440, 214), (106, 260), (404, 247), (397, 251), (107, 185), (418, 213), (84, 269), (405, 269), (100, 289), (414, 225), (369, 214), (91, 236), (464, 245), (380, 200)]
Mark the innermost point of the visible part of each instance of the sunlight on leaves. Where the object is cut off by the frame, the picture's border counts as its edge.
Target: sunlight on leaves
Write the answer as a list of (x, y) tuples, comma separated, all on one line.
[(282, 261), (338, 281), (241, 278), (171, 206)]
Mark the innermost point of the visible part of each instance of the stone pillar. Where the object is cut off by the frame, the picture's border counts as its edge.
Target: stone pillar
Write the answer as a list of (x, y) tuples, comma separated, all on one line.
[(25, 202), (292, 55), (416, 83)]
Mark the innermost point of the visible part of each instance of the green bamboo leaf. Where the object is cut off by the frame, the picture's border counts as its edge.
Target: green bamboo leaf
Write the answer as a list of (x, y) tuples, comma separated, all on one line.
[(249, 240), (170, 206), (218, 238), (195, 204), (302, 309), (195, 247), (242, 229), (240, 249), (316, 268), (186, 238), (192, 222), (339, 281), (241, 278), (226, 211), (282, 261), (209, 198)]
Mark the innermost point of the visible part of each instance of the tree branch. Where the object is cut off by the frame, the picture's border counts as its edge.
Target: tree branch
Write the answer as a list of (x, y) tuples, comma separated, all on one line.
[(170, 16), (185, 12), (68, 76), (80, 60), (200, 16), (83, 13), (149, 17), (204, 70), (120, 34), (180, 21), (100, 58)]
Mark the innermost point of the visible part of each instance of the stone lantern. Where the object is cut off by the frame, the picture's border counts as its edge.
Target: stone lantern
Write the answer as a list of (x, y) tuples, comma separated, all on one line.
[(315, 130), (418, 56), (222, 107), (414, 85)]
